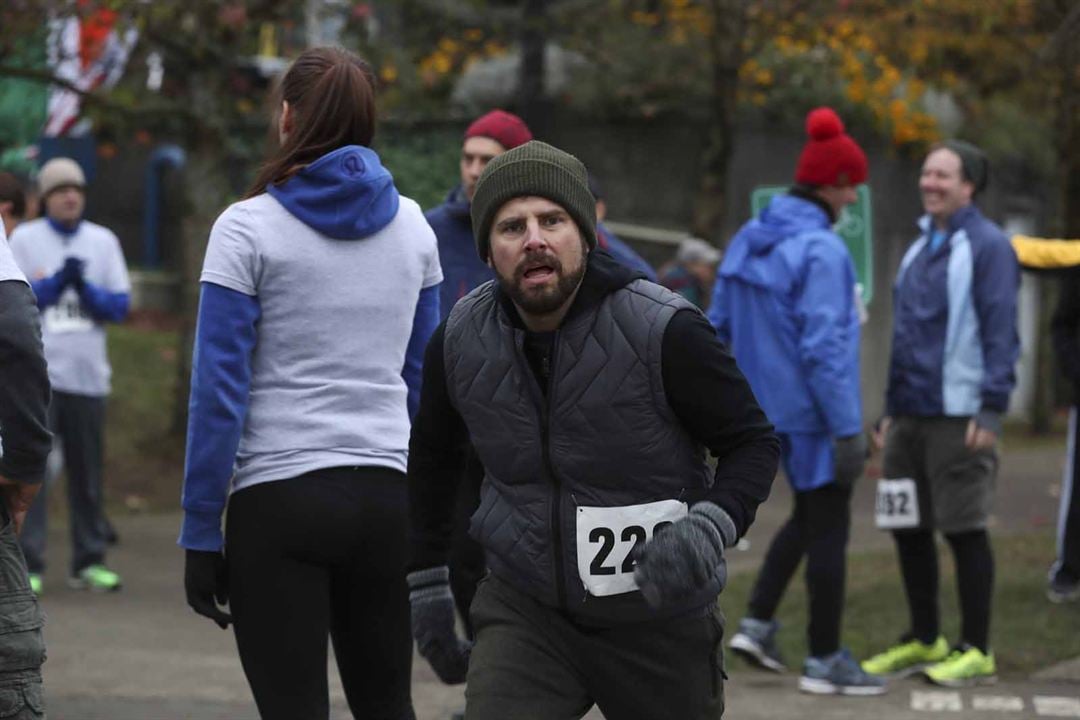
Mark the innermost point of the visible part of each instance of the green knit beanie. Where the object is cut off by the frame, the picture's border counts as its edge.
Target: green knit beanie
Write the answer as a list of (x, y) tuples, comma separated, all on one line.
[(533, 169)]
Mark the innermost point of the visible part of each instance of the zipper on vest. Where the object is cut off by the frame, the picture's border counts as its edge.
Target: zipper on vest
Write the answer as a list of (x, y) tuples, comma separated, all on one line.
[(556, 504), (543, 404)]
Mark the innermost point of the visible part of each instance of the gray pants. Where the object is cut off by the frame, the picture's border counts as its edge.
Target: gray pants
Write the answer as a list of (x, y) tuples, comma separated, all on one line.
[(78, 424), (531, 662), (22, 646)]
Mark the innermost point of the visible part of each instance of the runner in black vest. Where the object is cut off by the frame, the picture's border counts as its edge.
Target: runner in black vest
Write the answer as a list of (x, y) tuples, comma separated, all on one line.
[(591, 396)]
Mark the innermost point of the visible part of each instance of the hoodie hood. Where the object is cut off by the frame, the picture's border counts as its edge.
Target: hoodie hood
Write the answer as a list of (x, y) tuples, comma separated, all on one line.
[(346, 194), (784, 219)]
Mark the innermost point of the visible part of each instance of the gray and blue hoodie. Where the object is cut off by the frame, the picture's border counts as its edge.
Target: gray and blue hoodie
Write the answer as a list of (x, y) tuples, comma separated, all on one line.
[(317, 300), (955, 340)]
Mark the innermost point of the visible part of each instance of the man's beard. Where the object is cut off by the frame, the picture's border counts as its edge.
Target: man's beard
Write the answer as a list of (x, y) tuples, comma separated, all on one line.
[(541, 301)]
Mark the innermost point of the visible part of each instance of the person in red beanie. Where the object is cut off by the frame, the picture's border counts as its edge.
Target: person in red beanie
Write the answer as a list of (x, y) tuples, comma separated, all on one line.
[(486, 137), (785, 302)]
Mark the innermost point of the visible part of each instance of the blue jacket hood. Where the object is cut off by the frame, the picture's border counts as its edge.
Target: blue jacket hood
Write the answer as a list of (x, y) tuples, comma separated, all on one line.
[(784, 219), (346, 194)]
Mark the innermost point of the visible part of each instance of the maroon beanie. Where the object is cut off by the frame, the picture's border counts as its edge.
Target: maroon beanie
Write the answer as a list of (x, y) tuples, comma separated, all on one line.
[(830, 156), (504, 128)]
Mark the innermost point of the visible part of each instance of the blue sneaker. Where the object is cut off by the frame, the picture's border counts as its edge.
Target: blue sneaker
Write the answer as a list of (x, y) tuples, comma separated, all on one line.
[(755, 641), (838, 674)]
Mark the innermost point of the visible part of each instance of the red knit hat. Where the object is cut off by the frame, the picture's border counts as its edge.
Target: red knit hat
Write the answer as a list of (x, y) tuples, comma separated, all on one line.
[(504, 128), (830, 156)]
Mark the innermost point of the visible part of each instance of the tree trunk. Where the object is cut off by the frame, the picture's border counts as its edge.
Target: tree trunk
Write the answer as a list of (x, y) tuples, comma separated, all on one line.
[(533, 36), (205, 192), (1067, 121), (725, 49)]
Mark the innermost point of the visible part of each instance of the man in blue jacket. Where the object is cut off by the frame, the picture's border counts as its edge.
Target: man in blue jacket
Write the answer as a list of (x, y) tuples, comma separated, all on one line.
[(955, 344), (784, 300), (487, 137)]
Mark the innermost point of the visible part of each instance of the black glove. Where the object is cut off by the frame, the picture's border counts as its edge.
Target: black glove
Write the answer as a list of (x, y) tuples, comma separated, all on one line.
[(684, 557), (849, 459), (433, 618), (72, 272), (206, 580)]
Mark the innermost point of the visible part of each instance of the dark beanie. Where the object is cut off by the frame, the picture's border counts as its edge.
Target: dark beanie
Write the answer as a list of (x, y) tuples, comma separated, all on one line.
[(830, 156), (973, 161), (533, 169)]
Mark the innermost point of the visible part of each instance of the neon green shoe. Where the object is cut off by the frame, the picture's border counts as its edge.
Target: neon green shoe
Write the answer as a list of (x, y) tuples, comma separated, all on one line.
[(963, 668), (906, 658), (37, 585), (96, 578)]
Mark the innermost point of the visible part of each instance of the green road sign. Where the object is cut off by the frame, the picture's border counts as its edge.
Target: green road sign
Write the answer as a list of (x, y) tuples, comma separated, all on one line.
[(855, 227)]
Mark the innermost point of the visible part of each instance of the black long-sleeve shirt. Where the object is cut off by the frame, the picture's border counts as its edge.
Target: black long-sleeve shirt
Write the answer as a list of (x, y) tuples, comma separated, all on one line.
[(706, 390), (1065, 329), (24, 386)]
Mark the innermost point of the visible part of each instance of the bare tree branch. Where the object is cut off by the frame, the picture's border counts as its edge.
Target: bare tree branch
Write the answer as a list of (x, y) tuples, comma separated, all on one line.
[(153, 109)]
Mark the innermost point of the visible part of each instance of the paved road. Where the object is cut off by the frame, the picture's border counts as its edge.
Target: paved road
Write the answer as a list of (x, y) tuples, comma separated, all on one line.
[(143, 655)]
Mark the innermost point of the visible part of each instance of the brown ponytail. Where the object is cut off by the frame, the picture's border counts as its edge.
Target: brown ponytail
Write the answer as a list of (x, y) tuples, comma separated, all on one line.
[(331, 93)]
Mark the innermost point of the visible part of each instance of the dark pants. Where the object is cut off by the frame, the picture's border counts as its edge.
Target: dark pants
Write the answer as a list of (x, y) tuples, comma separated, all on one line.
[(955, 495), (532, 663), (466, 561), (22, 647), (974, 582), (78, 422), (1067, 566), (818, 528), (323, 553)]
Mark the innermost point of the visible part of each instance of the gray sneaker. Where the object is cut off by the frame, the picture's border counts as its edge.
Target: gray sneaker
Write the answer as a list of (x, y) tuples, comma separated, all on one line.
[(755, 641), (838, 674)]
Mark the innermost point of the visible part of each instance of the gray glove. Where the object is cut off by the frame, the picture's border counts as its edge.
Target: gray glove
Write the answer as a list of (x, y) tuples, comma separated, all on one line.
[(433, 618), (849, 459), (684, 557)]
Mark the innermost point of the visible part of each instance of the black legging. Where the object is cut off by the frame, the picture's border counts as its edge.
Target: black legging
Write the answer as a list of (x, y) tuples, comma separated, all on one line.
[(322, 553), (974, 581), (818, 528)]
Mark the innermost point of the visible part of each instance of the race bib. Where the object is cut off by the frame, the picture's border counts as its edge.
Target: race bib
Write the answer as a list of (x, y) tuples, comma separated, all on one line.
[(606, 536), (67, 315), (897, 504)]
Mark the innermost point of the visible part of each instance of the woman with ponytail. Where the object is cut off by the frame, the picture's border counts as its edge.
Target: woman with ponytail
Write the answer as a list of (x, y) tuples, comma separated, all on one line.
[(318, 295)]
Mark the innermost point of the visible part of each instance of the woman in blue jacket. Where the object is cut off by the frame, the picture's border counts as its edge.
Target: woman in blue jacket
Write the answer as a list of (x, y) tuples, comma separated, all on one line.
[(318, 295)]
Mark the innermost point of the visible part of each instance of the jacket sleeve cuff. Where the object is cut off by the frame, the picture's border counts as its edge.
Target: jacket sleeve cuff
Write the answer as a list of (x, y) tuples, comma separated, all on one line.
[(989, 420), (201, 531)]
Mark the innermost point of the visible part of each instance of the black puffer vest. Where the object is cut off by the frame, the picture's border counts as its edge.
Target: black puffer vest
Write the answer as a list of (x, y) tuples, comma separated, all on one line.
[(603, 436)]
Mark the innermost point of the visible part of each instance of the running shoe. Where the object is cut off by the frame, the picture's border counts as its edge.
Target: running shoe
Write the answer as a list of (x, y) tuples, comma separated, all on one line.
[(1062, 590), (838, 674), (96, 578), (37, 584), (755, 641), (907, 658), (966, 666)]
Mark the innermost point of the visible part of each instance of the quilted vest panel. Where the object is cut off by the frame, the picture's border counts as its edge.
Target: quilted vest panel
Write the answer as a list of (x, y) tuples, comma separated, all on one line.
[(604, 436)]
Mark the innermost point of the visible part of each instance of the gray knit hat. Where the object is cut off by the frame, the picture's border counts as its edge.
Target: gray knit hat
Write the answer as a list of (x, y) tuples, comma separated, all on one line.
[(60, 172), (536, 169)]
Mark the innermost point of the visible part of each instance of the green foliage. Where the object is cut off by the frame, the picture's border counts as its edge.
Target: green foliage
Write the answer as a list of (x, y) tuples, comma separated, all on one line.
[(423, 160), (142, 458)]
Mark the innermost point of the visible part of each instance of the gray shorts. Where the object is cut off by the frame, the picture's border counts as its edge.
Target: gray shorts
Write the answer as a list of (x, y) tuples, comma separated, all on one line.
[(22, 646), (955, 485)]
